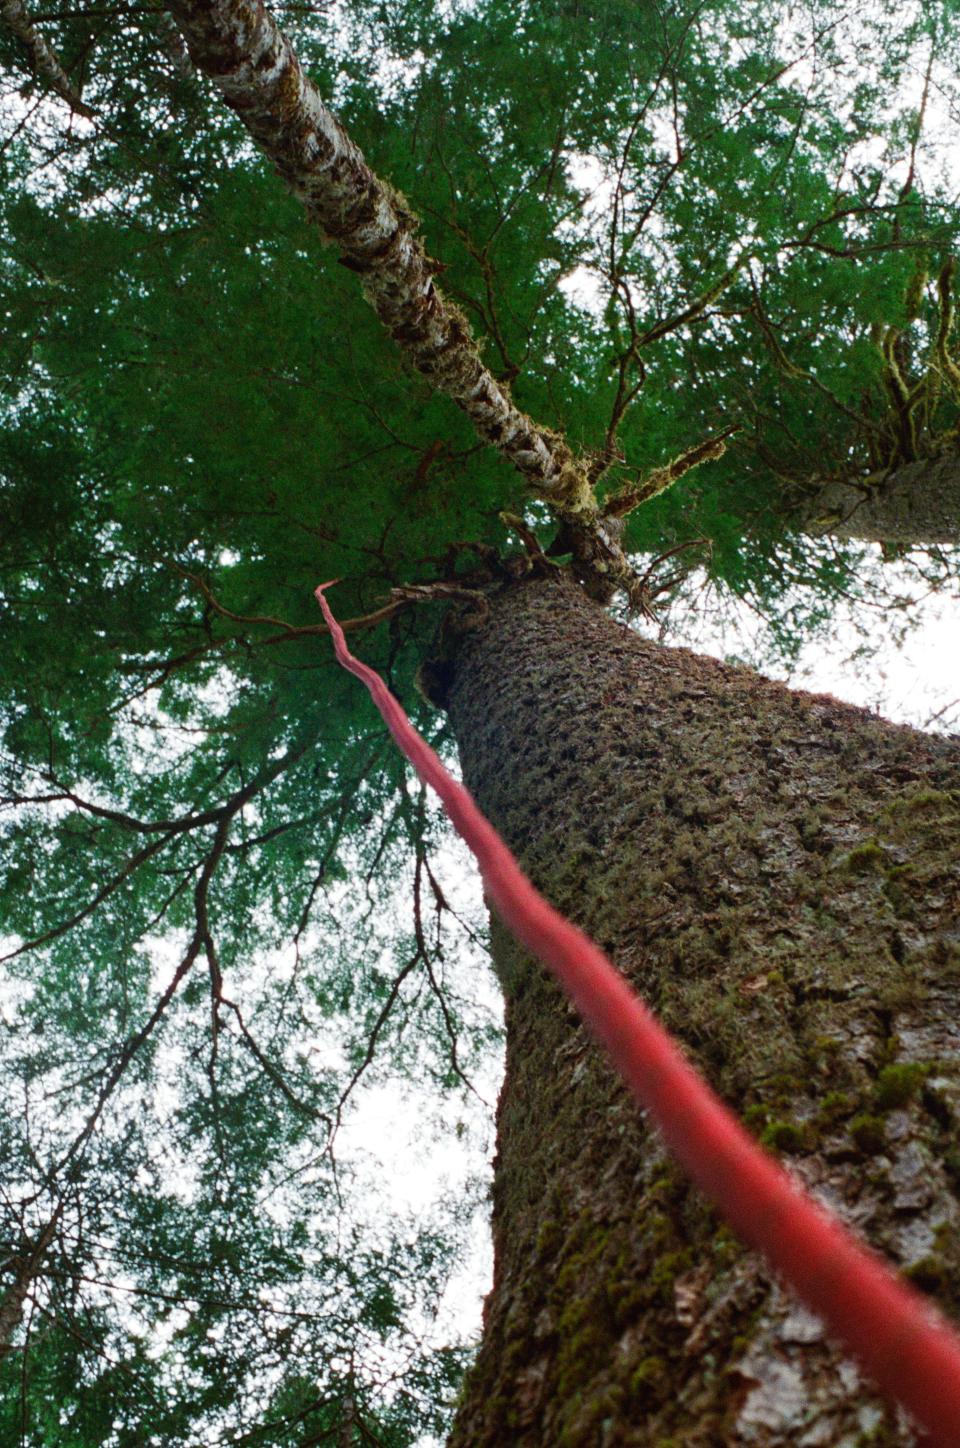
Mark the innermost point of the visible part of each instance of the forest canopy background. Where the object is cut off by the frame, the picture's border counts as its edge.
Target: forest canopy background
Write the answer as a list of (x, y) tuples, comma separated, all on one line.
[(666, 225)]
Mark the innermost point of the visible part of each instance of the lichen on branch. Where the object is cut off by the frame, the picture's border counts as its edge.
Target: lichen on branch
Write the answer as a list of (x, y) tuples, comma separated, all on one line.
[(43, 59), (239, 45)]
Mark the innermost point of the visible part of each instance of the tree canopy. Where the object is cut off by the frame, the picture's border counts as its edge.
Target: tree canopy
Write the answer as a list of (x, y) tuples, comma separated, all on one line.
[(714, 235)]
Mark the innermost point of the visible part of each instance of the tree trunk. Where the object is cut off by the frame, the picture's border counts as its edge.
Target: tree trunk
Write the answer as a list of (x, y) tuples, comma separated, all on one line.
[(917, 504), (26, 1267), (772, 870)]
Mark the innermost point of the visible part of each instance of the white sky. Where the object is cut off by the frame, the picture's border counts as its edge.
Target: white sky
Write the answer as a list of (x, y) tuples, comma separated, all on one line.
[(869, 655)]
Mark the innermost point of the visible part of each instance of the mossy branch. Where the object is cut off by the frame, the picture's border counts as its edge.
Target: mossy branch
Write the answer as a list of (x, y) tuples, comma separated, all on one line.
[(660, 479), (698, 305), (909, 420), (948, 368), (241, 48), (916, 290)]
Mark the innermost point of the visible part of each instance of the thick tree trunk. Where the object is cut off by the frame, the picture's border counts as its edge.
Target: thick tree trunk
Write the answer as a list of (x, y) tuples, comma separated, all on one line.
[(773, 870), (918, 503)]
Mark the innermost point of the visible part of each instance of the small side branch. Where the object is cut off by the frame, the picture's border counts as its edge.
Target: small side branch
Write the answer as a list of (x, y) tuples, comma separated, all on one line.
[(28, 1264), (658, 481)]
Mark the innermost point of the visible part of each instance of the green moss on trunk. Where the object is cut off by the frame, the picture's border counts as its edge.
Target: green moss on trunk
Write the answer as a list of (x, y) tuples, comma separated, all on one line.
[(778, 874)]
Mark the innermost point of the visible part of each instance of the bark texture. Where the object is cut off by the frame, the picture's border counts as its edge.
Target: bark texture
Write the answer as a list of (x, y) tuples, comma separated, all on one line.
[(42, 57), (778, 873), (918, 503)]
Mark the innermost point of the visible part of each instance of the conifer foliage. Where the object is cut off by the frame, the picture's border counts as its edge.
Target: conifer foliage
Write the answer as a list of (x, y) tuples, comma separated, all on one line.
[(653, 287)]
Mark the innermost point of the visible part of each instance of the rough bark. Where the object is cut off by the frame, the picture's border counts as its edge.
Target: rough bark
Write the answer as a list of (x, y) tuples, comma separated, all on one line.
[(42, 57), (778, 874), (918, 503)]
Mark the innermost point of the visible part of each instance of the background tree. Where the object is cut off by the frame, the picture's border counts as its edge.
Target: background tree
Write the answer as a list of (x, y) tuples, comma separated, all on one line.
[(186, 408)]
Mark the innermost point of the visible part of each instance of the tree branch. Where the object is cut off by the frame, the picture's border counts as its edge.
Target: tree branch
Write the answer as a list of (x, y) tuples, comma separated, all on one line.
[(239, 45), (42, 57)]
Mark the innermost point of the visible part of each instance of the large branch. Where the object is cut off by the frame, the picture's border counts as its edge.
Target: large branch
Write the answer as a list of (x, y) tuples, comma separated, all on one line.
[(915, 504), (43, 58), (239, 45)]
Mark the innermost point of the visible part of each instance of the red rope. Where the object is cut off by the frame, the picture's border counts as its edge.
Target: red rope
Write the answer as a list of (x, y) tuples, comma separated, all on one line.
[(911, 1352)]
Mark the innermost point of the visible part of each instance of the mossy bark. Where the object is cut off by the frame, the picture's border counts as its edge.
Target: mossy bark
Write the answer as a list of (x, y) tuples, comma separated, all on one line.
[(778, 873), (917, 504)]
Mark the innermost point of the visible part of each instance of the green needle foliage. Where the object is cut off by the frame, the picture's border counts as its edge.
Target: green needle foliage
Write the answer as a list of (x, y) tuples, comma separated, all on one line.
[(663, 222)]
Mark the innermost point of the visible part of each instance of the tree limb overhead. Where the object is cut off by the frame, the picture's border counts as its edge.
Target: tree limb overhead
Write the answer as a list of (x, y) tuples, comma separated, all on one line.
[(42, 57), (239, 45)]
